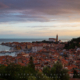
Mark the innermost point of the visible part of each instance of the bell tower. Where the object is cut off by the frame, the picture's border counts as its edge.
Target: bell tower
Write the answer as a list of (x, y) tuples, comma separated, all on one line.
[(57, 38)]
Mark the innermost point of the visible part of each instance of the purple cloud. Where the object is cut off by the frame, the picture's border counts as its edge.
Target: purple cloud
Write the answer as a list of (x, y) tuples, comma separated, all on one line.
[(2, 6), (35, 10)]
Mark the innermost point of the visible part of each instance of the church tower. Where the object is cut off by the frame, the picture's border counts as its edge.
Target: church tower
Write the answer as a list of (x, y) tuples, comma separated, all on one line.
[(57, 38)]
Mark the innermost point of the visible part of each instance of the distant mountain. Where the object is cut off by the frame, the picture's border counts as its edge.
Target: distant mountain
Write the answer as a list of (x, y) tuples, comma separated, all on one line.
[(74, 43)]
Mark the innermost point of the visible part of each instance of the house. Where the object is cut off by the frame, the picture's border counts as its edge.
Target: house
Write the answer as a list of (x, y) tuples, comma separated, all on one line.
[(37, 48), (78, 49), (29, 46), (52, 39)]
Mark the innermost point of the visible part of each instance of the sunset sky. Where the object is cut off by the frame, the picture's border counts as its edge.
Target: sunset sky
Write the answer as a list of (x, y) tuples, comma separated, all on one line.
[(39, 18)]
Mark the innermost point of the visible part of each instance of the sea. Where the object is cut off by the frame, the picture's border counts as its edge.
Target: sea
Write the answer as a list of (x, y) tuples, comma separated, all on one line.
[(6, 48), (27, 40), (20, 40)]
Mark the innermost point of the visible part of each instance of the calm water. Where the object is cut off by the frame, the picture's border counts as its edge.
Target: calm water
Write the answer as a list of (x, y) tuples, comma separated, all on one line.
[(20, 40), (9, 54), (24, 40), (4, 48)]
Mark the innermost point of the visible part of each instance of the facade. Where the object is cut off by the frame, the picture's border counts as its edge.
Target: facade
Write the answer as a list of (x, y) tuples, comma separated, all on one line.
[(37, 48), (29, 46), (54, 39)]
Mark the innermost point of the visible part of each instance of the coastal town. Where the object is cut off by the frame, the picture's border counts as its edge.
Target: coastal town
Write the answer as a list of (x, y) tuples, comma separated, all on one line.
[(44, 54), (39, 39)]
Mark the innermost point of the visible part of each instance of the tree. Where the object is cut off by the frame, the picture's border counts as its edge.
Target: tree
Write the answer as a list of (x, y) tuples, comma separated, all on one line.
[(31, 64), (41, 76), (31, 67), (64, 75), (53, 71), (58, 66), (32, 78), (13, 70), (2, 71), (58, 71), (75, 74), (46, 70)]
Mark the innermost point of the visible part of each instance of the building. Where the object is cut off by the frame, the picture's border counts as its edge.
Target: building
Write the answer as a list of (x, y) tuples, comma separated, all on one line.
[(54, 39), (36, 48)]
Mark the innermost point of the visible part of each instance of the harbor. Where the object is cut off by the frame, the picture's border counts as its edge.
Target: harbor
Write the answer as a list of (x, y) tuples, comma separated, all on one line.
[(4, 48)]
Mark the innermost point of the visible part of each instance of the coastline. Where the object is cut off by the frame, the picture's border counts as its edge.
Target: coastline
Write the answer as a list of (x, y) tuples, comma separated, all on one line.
[(12, 47)]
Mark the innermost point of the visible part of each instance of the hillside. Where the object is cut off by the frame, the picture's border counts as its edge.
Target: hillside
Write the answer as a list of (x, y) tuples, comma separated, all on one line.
[(75, 42)]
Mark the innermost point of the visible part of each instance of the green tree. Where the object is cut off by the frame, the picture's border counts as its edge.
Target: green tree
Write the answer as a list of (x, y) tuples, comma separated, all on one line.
[(32, 78), (31, 64), (64, 75), (13, 70), (52, 72), (75, 74), (2, 71), (41, 76), (46, 70), (58, 66), (58, 71)]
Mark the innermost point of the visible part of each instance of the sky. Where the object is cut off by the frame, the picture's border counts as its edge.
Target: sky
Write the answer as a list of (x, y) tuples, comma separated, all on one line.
[(39, 18)]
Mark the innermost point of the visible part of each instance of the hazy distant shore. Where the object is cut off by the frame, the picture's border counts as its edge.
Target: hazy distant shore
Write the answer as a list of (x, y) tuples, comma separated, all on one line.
[(26, 40)]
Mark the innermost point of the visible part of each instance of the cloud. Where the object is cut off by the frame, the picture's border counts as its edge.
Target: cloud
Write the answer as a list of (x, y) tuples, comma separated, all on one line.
[(6, 32), (39, 10), (47, 6), (9, 16), (2, 6)]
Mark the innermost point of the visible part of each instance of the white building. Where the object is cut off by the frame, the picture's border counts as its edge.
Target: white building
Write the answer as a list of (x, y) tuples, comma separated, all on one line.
[(78, 49), (52, 39), (36, 48)]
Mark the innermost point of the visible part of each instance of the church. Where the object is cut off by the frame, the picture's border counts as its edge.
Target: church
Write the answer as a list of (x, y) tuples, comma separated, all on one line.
[(54, 39)]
